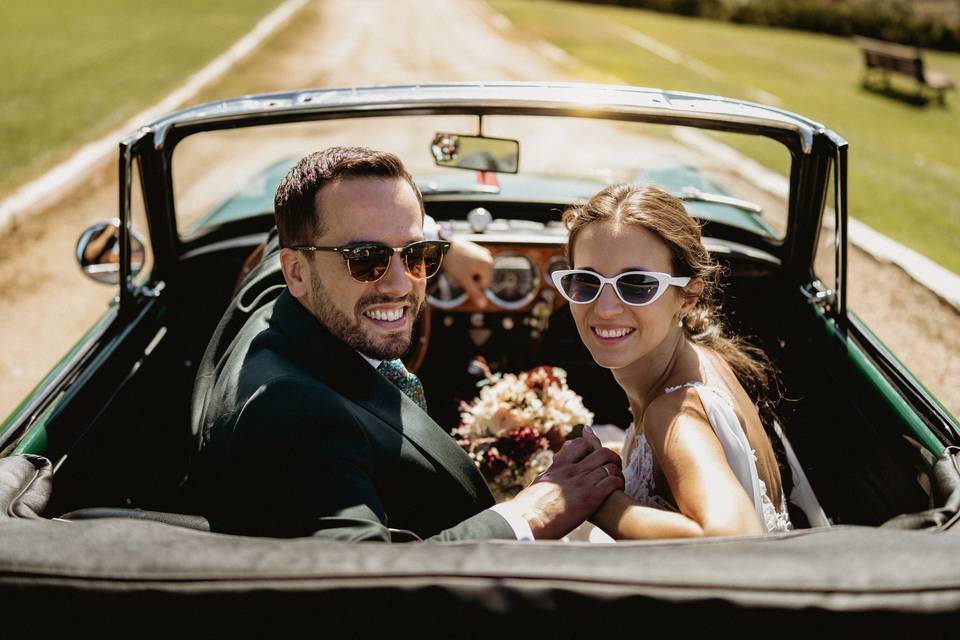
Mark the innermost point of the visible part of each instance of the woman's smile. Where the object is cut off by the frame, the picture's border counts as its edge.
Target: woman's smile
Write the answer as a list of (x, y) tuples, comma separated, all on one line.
[(608, 335)]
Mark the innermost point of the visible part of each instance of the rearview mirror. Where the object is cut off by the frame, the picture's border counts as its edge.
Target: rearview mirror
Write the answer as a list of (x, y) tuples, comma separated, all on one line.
[(98, 252), (477, 153)]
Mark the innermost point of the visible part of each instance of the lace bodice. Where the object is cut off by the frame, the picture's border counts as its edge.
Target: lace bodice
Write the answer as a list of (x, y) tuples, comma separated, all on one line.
[(638, 472)]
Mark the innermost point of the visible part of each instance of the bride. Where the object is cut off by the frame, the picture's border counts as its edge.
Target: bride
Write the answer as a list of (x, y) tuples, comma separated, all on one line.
[(697, 461)]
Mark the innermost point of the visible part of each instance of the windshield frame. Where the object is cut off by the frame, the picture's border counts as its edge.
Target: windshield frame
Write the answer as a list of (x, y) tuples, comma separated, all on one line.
[(806, 141)]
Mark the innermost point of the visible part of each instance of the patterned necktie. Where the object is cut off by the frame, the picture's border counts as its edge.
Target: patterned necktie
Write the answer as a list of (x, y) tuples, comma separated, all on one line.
[(395, 372)]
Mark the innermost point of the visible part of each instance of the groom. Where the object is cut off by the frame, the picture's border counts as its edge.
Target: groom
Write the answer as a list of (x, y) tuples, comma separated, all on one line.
[(312, 427)]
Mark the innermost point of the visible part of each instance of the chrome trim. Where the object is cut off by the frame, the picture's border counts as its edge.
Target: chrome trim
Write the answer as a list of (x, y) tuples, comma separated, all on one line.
[(483, 197), (550, 262), (729, 248), (565, 99), (446, 304), (251, 240), (817, 294), (513, 238), (713, 245), (479, 189), (154, 291), (692, 194), (157, 339)]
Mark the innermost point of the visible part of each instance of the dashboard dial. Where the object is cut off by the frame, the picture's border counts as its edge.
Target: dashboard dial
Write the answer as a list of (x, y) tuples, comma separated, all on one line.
[(479, 219), (442, 293), (555, 263), (515, 281)]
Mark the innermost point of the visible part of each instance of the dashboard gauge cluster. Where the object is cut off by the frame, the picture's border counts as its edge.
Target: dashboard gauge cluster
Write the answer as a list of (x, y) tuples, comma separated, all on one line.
[(520, 275), (515, 281), (525, 254)]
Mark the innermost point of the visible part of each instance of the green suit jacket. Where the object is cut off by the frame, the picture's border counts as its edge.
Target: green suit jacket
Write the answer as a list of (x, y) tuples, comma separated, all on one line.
[(301, 436)]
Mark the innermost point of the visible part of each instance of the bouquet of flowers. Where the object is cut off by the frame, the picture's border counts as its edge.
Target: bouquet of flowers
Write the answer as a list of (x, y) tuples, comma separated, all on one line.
[(516, 424)]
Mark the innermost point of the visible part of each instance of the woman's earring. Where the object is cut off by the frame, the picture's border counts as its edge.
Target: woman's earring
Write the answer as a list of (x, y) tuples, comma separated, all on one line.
[(680, 321)]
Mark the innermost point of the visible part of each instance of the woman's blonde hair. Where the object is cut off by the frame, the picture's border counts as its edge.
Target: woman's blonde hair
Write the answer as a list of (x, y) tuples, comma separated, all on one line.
[(657, 211)]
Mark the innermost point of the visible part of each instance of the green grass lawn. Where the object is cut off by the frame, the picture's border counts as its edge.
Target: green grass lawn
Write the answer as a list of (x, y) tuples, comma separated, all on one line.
[(904, 158), (71, 70)]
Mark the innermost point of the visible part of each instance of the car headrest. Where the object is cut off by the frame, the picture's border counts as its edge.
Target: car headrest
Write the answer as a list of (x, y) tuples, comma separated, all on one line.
[(259, 287)]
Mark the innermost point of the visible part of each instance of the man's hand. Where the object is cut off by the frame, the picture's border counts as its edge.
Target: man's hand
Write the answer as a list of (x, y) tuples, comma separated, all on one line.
[(470, 266), (581, 477)]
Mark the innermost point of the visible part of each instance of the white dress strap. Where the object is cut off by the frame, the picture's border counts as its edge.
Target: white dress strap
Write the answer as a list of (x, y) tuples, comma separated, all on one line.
[(726, 425)]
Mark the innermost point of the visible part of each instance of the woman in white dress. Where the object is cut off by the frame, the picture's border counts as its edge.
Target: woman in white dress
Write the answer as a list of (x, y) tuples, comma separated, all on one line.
[(697, 460)]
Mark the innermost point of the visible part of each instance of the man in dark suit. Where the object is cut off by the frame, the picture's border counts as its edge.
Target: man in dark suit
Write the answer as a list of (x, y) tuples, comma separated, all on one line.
[(309, 425)]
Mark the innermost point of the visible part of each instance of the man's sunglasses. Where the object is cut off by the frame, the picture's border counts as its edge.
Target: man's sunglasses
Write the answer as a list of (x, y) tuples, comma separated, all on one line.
[(635, 288), (368, 261)]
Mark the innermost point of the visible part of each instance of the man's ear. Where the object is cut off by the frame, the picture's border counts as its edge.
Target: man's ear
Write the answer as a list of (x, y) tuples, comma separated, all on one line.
[(691, 294), (295, 272)]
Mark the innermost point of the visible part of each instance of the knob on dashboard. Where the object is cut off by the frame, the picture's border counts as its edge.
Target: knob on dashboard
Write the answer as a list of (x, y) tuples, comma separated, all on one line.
[(479, 219)]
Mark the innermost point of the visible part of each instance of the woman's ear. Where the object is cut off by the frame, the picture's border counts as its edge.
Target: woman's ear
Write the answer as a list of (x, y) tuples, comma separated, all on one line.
[(294, 272), (690, 294)]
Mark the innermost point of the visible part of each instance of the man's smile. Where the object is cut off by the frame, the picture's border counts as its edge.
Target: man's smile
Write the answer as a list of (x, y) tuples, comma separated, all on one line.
[(388, 317)]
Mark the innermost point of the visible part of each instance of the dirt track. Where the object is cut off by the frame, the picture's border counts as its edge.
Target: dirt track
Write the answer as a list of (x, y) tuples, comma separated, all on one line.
[(48, 304)]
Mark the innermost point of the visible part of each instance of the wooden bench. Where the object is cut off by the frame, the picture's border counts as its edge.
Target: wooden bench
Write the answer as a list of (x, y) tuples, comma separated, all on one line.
[(897, 58)]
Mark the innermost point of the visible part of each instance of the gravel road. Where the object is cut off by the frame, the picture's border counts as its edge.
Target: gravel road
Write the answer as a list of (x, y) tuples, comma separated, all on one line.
[(48, 304)]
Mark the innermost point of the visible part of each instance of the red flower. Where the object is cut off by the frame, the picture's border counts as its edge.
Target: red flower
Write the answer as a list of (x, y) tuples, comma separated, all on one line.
[(519, 444), (542, 377)]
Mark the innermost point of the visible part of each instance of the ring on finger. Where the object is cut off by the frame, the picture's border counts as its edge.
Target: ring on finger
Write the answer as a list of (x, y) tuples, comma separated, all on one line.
[(606, 471)]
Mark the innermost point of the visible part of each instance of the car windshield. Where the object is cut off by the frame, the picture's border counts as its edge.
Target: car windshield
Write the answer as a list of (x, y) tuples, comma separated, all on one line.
[(731, 179)]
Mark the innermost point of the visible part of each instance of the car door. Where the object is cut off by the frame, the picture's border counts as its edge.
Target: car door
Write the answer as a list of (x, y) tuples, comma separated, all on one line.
[(924, 416), (64, 410)]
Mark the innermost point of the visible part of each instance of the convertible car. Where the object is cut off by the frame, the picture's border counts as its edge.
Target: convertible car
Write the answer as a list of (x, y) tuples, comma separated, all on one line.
[(94, 526)]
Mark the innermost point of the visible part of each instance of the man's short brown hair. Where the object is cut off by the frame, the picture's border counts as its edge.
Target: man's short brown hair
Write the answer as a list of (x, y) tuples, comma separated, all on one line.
[(298, 220)]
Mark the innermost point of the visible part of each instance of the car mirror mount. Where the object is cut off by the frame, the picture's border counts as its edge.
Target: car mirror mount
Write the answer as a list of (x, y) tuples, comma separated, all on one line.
[(98, 252)]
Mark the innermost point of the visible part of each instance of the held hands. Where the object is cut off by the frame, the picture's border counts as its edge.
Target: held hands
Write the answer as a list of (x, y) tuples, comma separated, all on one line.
[(581, 477), (470, 266)]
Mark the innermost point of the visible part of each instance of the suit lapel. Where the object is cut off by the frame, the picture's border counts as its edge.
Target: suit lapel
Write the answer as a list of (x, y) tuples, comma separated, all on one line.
[(344, 370), (403, 415)]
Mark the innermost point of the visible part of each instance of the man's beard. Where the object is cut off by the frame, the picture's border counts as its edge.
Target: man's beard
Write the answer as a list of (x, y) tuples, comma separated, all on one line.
[(350, 331)]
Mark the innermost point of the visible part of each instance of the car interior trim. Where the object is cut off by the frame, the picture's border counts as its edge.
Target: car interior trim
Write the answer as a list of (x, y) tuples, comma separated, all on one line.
[(38, 402), (251, 240)]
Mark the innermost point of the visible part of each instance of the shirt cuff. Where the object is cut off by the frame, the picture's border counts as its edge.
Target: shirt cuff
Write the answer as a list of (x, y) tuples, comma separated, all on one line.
[(521, 528)]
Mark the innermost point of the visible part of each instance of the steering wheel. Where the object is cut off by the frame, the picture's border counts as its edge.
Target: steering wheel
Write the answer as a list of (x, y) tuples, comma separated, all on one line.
[(421, 340)]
